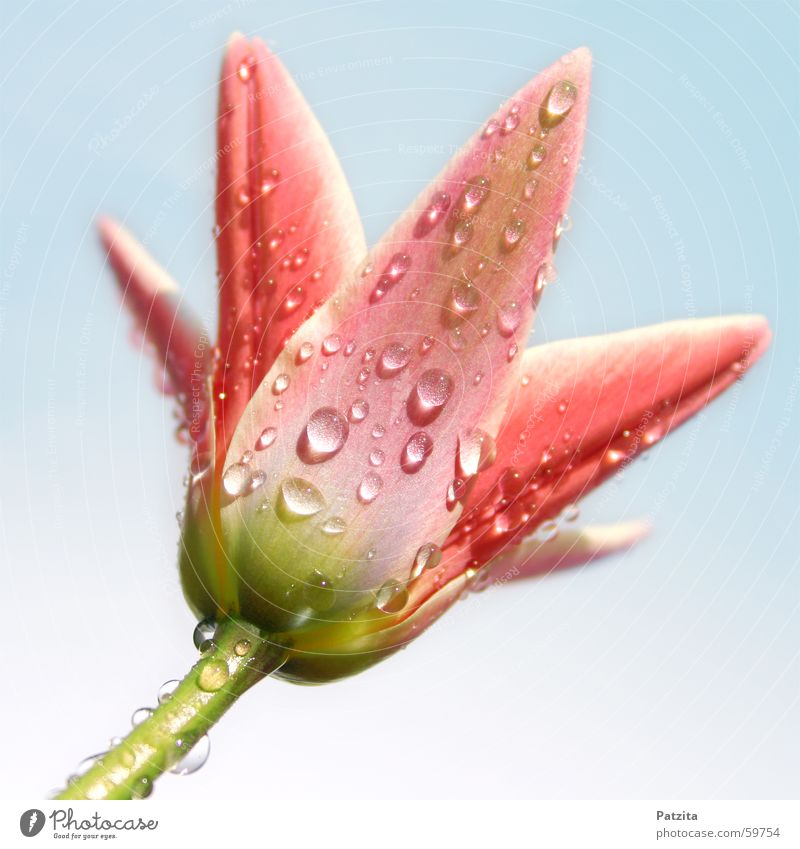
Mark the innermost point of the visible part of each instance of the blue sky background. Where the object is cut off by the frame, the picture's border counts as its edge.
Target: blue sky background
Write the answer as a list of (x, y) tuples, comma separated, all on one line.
[(669, 672)]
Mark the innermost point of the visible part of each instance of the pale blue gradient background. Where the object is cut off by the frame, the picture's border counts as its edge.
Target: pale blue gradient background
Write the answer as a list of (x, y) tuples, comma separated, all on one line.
[(671, 671)]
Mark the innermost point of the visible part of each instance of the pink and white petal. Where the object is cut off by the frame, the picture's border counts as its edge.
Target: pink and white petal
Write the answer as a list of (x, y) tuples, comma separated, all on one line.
[(589, 407), (412, 363), (288, 228), (537, 555), (180, 343)]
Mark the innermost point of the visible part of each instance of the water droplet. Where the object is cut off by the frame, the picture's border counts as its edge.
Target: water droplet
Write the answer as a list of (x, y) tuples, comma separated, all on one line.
[(305, 352), (415, 452), (429, 396), (349, 347), (376, 457), (492, 126), (324, 435), (334, 526), (426, 345), (512, 351), (547, 273), (394, 358), (247, 457), (398, 266), (369, 487), (378, 431), (372, 553), (363, 376), (530, 189), (558, 103), (429, 556), (203, 634), (456, 341), (464, 299), (476, 452), (368, 355), (456, 490), (570, 513), (462, 234), (478, 378), (511, 121), (257, 479), (391, 597), (280, 384), (267, 437), (166, 690), (433, 214), (299, 499), (513, 233), (270, 182), (242, 647), (140, 715), (358, 411), (236, 479), (509, 318), (331, 344), (213, 674), (525, 380), (244, 72), (537, 155), (194, 758), (475, 192), (563, 225)]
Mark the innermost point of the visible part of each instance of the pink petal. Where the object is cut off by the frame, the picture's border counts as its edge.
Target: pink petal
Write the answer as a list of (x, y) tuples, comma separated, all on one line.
[(538, 556), (425, 337), (180, 342), (588, 407), (288, 229)]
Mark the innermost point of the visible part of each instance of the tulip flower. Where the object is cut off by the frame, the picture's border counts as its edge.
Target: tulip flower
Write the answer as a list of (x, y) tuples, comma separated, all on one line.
[(370, 438)]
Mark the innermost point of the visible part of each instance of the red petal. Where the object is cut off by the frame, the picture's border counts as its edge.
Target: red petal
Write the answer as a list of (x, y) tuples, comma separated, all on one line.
[(589, 406), (180, 342), (426, 337), (287, 225)]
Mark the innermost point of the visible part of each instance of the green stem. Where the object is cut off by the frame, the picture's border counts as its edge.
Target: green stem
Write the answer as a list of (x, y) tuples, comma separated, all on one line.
[(238, 657)]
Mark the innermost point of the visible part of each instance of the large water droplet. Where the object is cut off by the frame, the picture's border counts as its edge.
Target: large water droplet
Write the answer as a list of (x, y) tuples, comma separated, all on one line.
[(203, 634), (464, 299), (415, 452), (369, 487), (334, 526), (305, 352), (212, 675), (429, 396), (392, 597), (140, 715), (429, 556), (475, 193), (267, 437), (394, 358), (537, 155), (358, 411), (398, 266), (166, 690), (331, 344), (558, 103), (318, 592), (509, 317), (513, 233), (299, 499), (194, 758), (236, 479), (476, 452), (433, 214), (324, 435), (280, 384)]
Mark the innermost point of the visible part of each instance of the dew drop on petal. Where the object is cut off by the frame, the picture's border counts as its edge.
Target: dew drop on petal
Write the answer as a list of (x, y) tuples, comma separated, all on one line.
[(334, 526), (378, 431), (398, 266), (236, 479), (456, 490), (476, 452), (429, 396), (324, 435), (529, 190), (392, 597), (363, 376), (433, 214), (475, 192), (394, 358), (267, 437), (509, 318), (547, 531), (415, 452), (512, 233), (299, 498), (280, 384), (511, 121), (537, 155), (257, 479), (429, 556), (462, 233), (492, 126), (358, 411), (558, 103), (305, 352), (331, 344), (464, 298), (512, 351), (350, 347), (376, 457), (426, 345), (369, 487)]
